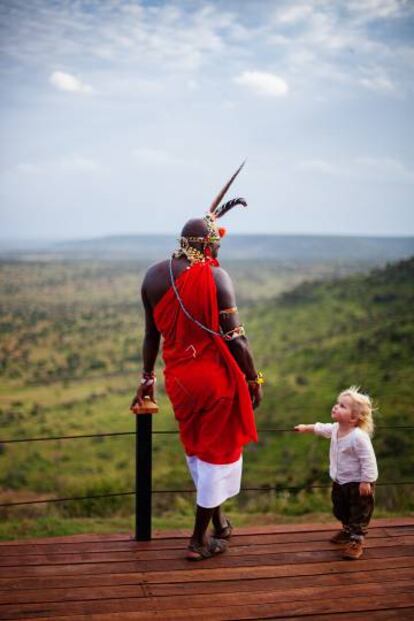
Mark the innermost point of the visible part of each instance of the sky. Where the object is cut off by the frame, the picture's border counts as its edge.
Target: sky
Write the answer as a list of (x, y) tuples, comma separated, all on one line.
[(127, 117)]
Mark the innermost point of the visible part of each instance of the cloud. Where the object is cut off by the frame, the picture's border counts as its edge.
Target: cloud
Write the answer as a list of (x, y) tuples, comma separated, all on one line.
[(385, 169), (130, 34), (28, 168), (73, 164), (292, 14), (320, 166), (317, 42), (377, 80), (367, 168), (376, 9), (70, 83), (79, 164), (126, 85), (263, 83), (155, 157)]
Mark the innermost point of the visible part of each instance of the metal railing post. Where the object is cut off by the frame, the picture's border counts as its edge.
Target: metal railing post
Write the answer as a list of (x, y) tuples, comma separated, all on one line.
[(143, 477), (143, 470)]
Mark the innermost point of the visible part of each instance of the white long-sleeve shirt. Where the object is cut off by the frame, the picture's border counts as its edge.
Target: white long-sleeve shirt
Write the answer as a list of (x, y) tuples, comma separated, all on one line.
[(352, 457)]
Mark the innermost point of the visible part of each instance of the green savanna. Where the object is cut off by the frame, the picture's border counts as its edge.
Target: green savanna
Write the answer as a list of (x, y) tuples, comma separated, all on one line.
[(70, 357)]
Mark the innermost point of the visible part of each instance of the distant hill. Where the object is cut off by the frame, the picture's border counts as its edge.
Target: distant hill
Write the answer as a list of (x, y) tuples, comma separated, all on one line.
[(296, 248)]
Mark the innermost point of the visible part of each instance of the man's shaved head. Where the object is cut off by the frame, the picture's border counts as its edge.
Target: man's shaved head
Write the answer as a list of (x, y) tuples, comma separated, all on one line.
[(197, 227)]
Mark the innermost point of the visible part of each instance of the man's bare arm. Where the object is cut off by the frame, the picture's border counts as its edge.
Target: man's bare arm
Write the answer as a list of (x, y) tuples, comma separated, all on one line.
[(230, 324), (152, 337), (150, 349)]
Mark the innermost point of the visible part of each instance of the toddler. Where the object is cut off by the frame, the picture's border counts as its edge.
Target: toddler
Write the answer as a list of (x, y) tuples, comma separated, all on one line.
[(352, 467)]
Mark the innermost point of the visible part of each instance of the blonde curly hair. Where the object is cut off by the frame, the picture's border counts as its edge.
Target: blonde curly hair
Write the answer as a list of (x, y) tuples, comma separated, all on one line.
[(363, 406)]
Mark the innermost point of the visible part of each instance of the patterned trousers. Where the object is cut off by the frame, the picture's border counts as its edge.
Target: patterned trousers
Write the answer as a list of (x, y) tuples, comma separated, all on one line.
[(353, 510)]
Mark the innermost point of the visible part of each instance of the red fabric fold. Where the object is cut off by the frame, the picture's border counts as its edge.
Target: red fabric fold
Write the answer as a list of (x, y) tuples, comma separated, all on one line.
[(207, 389)]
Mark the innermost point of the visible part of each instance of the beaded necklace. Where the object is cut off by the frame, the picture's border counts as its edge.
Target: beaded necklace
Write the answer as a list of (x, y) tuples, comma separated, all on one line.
[(189, 252)]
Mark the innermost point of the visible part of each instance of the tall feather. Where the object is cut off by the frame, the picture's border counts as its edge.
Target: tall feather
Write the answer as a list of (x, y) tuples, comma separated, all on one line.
[(221, 194), (225, 207)]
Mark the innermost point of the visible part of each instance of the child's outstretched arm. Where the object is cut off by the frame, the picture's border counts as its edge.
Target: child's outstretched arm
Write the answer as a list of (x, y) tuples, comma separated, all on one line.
[(305, 428)]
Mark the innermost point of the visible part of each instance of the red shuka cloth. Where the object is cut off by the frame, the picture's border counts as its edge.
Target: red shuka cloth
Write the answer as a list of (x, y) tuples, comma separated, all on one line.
[(207, 389)]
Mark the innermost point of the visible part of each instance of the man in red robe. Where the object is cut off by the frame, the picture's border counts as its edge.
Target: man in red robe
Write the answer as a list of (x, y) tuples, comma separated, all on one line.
[(209, 373)]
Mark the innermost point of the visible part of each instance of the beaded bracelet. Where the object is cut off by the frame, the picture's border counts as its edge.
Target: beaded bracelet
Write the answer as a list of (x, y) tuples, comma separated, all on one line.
[(234, 334), (148, 378), (258, 380), (226, 312)]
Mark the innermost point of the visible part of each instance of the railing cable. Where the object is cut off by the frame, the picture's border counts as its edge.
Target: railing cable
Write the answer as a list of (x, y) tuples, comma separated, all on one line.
[(160, 432), (263, 488)]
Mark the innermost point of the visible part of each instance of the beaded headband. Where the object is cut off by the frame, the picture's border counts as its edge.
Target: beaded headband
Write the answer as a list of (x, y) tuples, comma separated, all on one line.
[(216, 211)]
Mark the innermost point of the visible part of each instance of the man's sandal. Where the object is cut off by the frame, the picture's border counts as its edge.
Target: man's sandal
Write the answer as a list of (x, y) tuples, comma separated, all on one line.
[(225, 532), (214, 546)]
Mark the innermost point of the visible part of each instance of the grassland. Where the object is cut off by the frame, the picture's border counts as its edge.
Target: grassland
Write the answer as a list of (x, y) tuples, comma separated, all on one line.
[(70, 354)]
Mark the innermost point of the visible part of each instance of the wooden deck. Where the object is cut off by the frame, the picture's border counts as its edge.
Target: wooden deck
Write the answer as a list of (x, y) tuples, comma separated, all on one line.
[(273, 572)]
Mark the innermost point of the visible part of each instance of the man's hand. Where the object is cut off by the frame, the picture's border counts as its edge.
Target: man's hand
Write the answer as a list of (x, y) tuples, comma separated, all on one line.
[(365, 489), (144, 390), (256, 394)]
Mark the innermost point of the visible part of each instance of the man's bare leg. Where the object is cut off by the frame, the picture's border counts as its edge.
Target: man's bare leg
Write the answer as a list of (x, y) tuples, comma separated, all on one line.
[(219, 519), (202, 520), (201, 546), (222, 526)]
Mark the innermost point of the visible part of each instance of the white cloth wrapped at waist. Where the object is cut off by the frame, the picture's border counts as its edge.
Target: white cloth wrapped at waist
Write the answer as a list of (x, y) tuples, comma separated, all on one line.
[(215, 483)]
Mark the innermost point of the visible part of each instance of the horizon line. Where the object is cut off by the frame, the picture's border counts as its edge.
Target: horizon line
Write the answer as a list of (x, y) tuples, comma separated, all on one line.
[(12, 239)]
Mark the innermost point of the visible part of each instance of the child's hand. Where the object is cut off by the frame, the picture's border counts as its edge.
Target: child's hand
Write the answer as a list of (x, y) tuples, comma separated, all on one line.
[(365, 489), (300, 428)]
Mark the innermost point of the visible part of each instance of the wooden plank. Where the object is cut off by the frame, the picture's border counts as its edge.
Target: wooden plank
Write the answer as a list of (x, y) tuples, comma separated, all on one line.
[(259, 571), (50, 558), (163, 534), (158, 535), (65, 538), (176, 544), (398, 531), (224, 560), (282, 582), (21, 584), (189, 589), (310, 595), (238, 534), (398, 601), (199, 573), (294, 594), (79, 594), (74, 546), (153, 555), (402, 614)]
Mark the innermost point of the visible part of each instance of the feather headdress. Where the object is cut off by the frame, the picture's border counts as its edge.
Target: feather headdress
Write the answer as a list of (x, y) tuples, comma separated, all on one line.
[(214, 233), (220, 211), (217, 211)]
